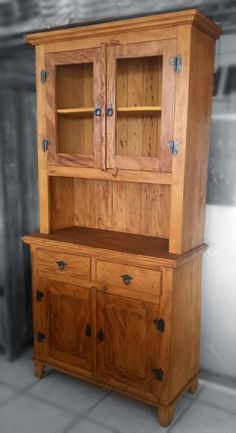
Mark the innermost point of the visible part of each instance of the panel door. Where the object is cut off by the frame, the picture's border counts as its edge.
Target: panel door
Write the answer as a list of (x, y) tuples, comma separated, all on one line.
[(66, 320), (75, 108), (127, 340), (140, 105)]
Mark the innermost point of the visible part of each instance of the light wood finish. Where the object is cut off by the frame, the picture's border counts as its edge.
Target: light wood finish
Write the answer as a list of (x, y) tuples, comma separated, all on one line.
[(137, 109), (121, 176), (43, 182), (116, 265), (121, 206), (74, 266), (137, 72), (142, 280)]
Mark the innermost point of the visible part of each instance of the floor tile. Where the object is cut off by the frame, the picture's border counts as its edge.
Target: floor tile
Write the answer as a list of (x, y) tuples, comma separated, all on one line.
[(19, 373), (200, 418), (25, 414), (6, 392), (67, 392), (87, 426), (126, 415), (219, 396)]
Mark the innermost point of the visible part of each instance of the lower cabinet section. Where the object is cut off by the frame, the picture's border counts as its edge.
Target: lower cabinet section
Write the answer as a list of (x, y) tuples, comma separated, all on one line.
[(66, 322), (135, 330), (127, 340)]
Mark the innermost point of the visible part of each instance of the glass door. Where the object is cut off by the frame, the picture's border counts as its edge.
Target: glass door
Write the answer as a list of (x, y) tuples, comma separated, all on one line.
[(75, 108), (140, 105)]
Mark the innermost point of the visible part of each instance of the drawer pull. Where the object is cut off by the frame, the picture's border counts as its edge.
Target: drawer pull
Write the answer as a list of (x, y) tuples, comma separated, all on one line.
[(61, 264), (127, 279), (101, 335), (88, 331)]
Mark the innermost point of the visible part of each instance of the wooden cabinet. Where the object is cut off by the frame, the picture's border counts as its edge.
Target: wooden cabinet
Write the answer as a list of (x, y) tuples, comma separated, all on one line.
[(123, 124)]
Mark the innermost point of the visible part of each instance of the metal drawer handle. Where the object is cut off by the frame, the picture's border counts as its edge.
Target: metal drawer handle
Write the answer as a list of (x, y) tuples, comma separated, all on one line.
[(127, 279), (61, 264)]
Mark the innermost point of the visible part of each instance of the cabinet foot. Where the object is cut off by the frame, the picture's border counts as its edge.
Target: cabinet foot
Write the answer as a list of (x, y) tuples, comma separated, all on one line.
[(38, 369), (194, 385), (166, 415)]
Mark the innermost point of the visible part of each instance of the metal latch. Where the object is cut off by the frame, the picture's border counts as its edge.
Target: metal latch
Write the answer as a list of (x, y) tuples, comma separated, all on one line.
[(160, 324), (173, 146), (176, 62), (45, 144), (158, 373), (39, 295), (41, 337), (43, 76)]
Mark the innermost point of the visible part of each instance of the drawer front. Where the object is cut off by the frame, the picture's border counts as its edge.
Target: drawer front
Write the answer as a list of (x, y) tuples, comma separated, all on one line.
[(63, 264), (129, 277)]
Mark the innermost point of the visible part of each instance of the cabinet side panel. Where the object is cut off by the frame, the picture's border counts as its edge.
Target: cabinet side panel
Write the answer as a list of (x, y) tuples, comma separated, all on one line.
[(62, 202), (185, 332), (196, 163), (43, 183)]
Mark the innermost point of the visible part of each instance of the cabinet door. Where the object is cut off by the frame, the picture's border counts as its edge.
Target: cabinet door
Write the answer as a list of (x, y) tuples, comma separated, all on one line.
[(127, 340), (75, 108), (66, 321), (140, 105)]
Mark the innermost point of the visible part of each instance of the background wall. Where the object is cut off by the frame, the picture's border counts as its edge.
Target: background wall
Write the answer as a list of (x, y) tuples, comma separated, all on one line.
[(18, 193)]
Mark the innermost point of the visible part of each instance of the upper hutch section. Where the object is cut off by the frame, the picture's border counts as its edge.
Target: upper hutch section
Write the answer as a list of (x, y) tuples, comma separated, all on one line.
[(123, 125)]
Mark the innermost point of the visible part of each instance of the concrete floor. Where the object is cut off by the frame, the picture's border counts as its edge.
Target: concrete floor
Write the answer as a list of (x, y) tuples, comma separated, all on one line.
[(61, 404)]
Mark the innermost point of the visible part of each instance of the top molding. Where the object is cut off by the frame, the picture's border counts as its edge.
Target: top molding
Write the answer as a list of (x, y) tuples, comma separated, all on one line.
[(191, 16)]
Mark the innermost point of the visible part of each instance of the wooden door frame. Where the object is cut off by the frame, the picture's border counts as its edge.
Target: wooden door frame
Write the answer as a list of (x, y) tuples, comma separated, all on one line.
[(167, 49), (93, 55)]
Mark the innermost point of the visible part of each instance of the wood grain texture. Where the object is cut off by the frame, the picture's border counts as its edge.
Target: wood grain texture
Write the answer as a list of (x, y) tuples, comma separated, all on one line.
[(121, 176), (192, 121), (43, 182), (130, 346), (62, 202), (129, 207), (143, 280)]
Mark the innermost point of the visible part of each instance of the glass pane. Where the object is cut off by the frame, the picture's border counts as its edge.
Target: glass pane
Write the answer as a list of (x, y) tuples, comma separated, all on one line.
[(74, 90), (139, 97)]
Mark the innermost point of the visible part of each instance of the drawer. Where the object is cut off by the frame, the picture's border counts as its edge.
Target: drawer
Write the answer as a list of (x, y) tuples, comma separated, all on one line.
[(63, 264), (129, 277)]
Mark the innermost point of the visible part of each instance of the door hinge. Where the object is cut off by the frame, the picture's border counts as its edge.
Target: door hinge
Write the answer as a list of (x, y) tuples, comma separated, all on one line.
[(173, 146), (176, 62), (45, 144), (158, 373), (40, 337), (43, 76), (160, 324), (39, 295)]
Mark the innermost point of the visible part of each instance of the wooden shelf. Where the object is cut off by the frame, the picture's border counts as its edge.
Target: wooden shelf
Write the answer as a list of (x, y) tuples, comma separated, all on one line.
[(155, 109), (85, 111), (128, 243)]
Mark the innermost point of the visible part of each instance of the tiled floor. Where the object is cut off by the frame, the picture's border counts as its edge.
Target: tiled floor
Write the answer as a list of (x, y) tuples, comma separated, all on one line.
[(61, 404)]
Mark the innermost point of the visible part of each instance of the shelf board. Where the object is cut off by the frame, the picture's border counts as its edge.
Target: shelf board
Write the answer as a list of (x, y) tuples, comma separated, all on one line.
[(85, 111), (150, 109)]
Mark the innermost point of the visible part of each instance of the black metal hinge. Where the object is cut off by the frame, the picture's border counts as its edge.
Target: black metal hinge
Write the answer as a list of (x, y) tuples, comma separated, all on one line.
[(173, 146), (43, 76), (40, 337), (39, 295), (158, 373), (176, 62), (160, 324), (45, 144)]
